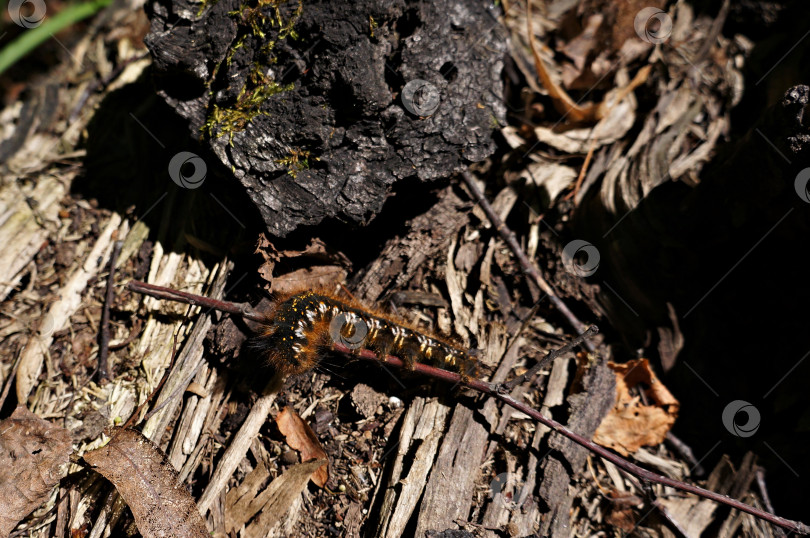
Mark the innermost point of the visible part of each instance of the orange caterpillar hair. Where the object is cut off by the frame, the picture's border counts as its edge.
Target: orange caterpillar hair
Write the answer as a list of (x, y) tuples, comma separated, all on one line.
[(302, 326)]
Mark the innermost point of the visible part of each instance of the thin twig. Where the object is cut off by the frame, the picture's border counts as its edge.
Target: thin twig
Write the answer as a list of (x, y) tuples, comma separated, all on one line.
[(511, 241), (686, 453), (553, 354), (9, 380), (763, 491), (161, 292), (492, 390), (104, 332)]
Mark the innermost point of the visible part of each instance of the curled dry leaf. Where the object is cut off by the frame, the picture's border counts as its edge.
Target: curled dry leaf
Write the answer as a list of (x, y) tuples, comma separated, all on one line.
[(315, 277), (613, 127), (552, 178), (33, 458), (323, 267), (631, 424), (149, 484), (301, 438)]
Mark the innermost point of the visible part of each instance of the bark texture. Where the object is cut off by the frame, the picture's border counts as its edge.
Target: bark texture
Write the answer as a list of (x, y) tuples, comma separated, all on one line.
[(319, 108)]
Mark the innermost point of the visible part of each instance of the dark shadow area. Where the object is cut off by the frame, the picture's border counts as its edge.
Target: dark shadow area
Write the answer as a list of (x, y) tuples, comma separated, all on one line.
[(728, 257), (131, 142)]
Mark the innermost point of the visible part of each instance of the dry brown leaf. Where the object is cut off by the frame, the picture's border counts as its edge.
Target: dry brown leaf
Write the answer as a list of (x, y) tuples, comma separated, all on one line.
[(631, 424), (300, 437), (33, 458), (149, 485), (318, 276), (314, 274), (581, 46), (622, 514), (614, 126), (271, 256), (553, 178)]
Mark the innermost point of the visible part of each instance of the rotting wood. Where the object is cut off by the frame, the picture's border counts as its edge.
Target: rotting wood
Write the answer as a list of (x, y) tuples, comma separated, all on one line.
[(427, 234), (580, 514), (592, 380), (239, 446), (24, 228), (58, 316), (188, 362), (587, 409), (192, 418), (422, 427), (528, 520), (448, 492), (338, 92)]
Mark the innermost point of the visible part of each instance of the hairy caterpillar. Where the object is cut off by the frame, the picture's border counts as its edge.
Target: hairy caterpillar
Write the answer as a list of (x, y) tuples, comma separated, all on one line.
[(304, 325)]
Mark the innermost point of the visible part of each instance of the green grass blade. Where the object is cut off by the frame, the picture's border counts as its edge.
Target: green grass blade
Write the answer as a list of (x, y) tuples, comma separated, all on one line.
[(31, 38)]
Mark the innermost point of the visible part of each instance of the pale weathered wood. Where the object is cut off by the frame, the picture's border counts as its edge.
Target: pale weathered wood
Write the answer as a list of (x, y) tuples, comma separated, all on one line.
[(448, 494), (419, 438), (58, 316), (23, 227), (192, 418), (239, 445), (189, 359)]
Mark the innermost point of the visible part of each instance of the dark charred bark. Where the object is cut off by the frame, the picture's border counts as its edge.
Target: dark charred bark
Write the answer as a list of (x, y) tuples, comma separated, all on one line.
[(324, 112)]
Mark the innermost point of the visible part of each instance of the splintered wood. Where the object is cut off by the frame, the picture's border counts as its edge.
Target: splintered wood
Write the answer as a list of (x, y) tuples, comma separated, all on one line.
[(600, 120)]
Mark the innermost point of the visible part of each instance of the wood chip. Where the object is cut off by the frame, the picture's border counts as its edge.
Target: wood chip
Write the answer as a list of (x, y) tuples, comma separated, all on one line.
[(281, 496)]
